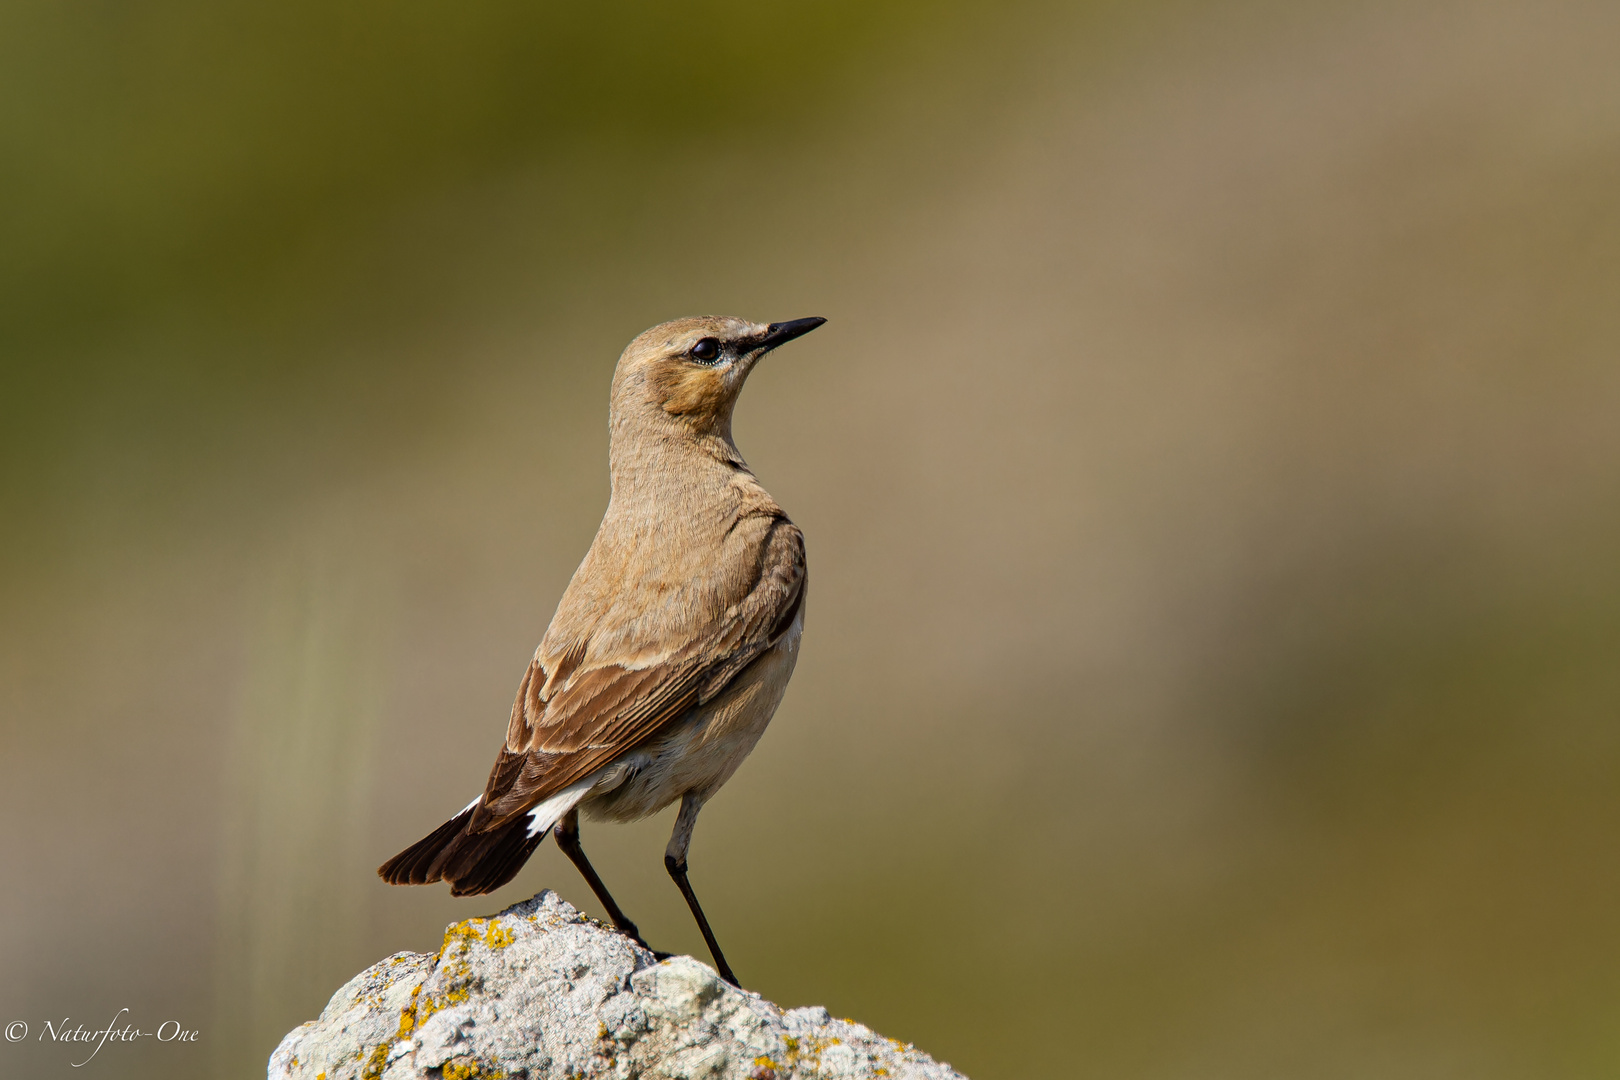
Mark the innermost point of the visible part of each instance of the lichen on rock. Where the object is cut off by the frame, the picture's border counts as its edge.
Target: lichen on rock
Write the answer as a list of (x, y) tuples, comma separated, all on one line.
[(541, 992)]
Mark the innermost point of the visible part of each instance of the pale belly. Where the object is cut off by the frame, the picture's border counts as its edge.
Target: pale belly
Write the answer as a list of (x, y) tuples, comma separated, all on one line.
[(704, 750)]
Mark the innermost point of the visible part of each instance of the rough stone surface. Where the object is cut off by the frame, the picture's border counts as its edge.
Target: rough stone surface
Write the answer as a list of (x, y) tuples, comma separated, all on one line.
[(540, 992)]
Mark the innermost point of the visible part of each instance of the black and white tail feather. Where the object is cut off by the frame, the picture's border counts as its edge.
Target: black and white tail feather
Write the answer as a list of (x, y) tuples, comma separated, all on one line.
[(477, 862)]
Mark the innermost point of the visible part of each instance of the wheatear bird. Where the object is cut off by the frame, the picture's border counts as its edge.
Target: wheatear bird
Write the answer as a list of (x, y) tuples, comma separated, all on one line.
[(670, 648)]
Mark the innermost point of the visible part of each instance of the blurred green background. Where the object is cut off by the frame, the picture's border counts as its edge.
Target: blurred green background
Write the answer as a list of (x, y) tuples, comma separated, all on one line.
[(1210, 470)]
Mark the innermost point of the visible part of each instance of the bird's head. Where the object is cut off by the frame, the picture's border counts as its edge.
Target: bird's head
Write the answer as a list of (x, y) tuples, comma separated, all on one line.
[(688, 373)]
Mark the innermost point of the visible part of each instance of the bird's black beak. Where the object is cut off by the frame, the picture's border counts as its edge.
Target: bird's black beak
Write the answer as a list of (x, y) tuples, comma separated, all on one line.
[(779, 333)]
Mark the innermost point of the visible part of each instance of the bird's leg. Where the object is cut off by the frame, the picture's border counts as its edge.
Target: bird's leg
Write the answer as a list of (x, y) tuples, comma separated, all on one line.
[(567, 834), (675, 863)]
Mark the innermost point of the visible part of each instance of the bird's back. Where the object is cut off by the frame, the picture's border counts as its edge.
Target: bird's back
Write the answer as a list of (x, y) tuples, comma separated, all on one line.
[(670, 559)]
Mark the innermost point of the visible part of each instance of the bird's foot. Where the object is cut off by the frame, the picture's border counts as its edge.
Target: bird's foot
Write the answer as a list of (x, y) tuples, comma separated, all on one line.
[(634, 935), (659, 956)]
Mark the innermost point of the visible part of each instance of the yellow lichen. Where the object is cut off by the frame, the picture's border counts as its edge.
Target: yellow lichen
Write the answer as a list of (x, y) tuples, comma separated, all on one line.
[(469, 1070), (375, 1064), (407, 1015), (457, 935)]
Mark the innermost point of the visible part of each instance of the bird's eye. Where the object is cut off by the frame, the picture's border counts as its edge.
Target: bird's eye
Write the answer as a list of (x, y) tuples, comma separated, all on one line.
[(707, 350)]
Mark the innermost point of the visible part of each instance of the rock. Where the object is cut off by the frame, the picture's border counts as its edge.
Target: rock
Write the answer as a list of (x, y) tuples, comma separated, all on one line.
[(540, 991)]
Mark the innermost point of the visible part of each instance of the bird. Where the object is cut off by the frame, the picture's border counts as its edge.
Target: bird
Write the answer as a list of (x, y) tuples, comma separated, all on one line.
[(672, 645)]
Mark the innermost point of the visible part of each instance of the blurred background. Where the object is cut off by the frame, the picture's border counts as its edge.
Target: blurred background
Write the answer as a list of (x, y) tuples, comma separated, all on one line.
[(1210, 470)]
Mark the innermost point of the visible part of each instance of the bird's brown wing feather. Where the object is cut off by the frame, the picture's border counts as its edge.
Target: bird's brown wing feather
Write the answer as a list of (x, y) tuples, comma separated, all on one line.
[(594, 714)]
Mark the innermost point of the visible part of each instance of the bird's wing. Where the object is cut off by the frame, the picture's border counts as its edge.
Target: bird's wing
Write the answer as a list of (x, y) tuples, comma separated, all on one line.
[(593, 714)]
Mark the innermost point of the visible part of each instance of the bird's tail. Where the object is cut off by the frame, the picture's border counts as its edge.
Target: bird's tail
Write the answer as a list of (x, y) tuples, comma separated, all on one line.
[(477, 862)]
